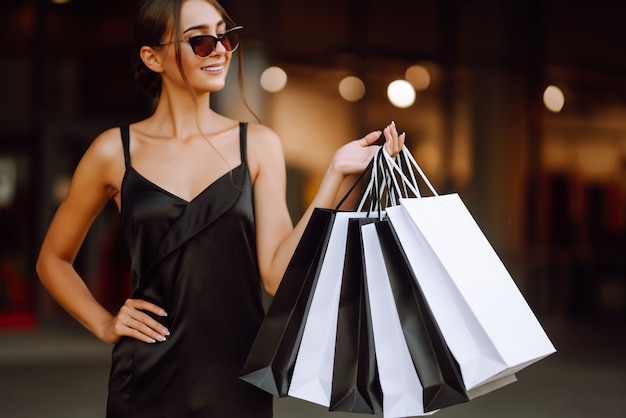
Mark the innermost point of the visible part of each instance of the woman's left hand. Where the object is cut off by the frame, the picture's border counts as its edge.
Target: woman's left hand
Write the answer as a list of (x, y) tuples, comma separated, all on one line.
[(354, 157)]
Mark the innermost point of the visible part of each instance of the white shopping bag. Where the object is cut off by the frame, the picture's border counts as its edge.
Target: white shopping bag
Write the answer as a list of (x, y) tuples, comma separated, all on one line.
[(485, 320), (402, 390), (313, 371)]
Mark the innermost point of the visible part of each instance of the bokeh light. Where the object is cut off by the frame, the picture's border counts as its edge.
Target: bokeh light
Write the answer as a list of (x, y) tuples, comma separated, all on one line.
[(273, 79), (401, 93), (418, 76), (553, 99), (351, 88)]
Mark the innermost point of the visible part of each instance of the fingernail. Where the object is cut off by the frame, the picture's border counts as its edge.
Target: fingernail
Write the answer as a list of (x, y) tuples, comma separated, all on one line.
[(152, 341), (165, 331), (163, 313), (162, 338)]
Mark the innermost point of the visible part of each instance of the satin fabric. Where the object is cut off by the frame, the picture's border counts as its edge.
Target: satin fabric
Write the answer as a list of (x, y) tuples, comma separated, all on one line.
[(197, 260)]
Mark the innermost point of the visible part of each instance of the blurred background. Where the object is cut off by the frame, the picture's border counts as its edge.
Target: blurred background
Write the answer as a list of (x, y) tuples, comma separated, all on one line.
[(519, 106)]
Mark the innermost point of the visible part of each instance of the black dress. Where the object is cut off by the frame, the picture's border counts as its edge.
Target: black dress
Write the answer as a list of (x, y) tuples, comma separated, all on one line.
[(197, 260)]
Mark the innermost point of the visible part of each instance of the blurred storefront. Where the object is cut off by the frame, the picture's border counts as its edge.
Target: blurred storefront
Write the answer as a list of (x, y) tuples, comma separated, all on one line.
[(547, 186)]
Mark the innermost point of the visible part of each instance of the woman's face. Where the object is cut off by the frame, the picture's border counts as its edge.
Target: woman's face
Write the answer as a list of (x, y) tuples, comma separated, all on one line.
[(207, 74)]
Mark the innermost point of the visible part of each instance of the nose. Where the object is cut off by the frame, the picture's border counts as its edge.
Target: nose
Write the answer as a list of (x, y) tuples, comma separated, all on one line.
[(219, 46)]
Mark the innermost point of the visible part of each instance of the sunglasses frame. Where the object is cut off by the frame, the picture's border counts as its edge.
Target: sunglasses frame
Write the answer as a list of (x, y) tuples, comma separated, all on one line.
[(218, 38)]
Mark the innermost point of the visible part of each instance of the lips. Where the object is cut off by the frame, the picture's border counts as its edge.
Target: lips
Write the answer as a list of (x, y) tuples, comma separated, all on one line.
[(213, 68)]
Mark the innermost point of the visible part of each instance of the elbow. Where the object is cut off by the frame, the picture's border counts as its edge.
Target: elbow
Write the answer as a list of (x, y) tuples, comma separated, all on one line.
[(40, 266), (266, 279), (47, 262)]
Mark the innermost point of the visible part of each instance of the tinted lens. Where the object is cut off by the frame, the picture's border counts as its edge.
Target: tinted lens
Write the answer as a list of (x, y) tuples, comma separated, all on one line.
[(230, 39), (203, 45)]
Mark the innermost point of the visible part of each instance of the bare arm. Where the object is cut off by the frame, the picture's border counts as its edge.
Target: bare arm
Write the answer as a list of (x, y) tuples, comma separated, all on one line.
[(276, 238), (95, 181)]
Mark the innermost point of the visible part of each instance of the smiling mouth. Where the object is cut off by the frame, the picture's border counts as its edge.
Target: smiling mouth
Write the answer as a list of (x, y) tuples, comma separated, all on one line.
[(213, 68)]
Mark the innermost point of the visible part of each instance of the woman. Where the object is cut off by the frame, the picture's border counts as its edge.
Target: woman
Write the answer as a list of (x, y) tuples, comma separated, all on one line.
[(202, 204)]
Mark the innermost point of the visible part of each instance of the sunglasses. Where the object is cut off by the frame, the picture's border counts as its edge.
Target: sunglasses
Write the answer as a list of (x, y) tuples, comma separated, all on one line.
[(204, 45)]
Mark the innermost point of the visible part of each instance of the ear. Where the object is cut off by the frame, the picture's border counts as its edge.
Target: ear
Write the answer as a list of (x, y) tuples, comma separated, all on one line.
[(151, 58)]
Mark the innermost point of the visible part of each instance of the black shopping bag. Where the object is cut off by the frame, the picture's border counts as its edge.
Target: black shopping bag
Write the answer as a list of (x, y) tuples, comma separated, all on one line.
[(355, 384), (271, 359), (437, 369)]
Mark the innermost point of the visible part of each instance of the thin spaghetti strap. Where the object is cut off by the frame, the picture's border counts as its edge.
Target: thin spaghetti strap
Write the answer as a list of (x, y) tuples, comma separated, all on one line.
[(243, 130), (125, 131)]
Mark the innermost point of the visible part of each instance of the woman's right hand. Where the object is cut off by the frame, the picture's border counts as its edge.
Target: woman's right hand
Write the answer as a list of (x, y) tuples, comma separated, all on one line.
[(133, 321)]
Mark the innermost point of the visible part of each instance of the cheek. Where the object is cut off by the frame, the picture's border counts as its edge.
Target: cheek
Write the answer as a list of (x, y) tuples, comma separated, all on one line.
[(189, 65), (189, 61)]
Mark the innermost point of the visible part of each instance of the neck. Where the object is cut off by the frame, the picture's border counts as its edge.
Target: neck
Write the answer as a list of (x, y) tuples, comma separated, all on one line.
[(179, 116)]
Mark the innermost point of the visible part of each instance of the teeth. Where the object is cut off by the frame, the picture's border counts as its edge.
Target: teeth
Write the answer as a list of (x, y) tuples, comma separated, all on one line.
[(216, 68)]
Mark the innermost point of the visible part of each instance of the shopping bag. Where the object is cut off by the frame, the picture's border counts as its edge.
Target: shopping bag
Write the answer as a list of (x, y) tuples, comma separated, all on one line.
[(446, 383), (436, 368), (401, 387), (272, 356), (488, 325), (484, 318), (355, 383), (313, 369)]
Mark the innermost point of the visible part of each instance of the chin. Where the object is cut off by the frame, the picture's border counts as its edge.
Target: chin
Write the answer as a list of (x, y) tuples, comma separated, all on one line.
[(215, 87), (216, 83)]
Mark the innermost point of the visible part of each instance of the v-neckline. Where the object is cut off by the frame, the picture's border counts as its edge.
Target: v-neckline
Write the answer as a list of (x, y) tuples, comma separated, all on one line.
[(179, 198)]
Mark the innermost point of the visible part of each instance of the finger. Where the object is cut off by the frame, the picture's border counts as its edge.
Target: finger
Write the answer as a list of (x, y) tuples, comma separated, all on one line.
[(143, 322), (144, 305), (146, 321), (149, 338), (153, 331), (401, 140), (141, 326), (390, 132), (390, 139), (395, 138), (141, 337), (133, 314), (370, 138), (394, 142)]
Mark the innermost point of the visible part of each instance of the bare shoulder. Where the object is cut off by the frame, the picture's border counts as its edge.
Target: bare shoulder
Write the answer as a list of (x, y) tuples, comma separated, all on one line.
[(264, 148), (105, 156), (108, 145), (261, 135), (263, 142)]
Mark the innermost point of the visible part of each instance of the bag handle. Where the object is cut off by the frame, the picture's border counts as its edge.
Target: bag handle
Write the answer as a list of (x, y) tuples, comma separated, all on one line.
[(380, 191), (411, 164), (371, 195), (390, 179)]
